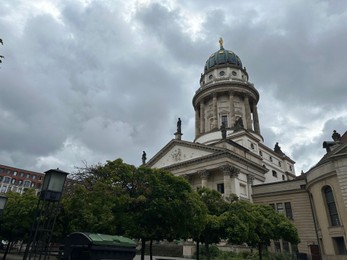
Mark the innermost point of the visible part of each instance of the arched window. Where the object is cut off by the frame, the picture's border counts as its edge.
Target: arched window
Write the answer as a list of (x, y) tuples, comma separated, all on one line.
[(331, 206)]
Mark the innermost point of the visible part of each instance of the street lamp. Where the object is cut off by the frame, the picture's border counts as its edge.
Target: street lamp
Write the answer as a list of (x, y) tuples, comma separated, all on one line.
[(47, 210), (3, 200), (53, 185)]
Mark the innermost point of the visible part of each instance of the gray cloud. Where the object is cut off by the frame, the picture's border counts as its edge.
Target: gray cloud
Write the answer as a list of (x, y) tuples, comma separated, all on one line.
[(103, 80)]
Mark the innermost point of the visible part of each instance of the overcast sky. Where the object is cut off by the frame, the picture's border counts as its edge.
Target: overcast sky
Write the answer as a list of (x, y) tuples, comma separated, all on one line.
[(90, 81)]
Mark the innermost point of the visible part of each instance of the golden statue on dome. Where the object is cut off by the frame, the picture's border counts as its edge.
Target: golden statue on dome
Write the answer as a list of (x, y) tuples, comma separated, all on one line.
[(221, 42)]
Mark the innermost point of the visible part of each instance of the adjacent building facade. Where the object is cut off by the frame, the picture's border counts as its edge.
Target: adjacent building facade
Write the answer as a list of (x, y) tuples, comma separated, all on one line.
[(17, 180)]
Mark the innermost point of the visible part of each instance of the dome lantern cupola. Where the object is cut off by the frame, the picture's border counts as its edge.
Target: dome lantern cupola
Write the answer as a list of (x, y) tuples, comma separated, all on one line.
[(222, 57)]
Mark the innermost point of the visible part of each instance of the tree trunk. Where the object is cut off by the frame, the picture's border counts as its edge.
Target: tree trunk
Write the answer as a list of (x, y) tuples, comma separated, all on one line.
[(143, 246), (150, 250), (207, 249), (260, 251), (7, 250), (197, 250)]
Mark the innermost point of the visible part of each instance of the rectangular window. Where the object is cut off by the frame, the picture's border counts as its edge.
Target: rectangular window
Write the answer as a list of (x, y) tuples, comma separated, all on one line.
[(277, 246), (7, 180), (220, 187), (279, 207), (283, 177), (274, 173), (14, 173), (339, 245), (288, 208), (26, 183), (3, 188), (225, 120), (285, 245), (243, 189)]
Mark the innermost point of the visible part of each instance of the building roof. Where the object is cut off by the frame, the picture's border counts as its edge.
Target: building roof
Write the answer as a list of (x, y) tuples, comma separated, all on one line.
[(223, 56)]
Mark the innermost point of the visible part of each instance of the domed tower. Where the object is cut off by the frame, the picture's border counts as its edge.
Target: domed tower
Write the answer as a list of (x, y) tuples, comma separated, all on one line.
[(225, 97)]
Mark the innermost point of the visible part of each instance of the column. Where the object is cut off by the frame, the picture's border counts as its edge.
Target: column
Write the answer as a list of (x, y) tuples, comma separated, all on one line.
[(226, 179), (250, 179), (215, 112), (232, 109), (256, 119), (204, 176), (234, 173), (197, 122), (248, 124), (202, 117)]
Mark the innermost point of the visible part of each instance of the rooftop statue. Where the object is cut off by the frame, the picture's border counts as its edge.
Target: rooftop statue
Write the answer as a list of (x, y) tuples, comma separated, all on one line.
[(223, 130), (336, 136), (144, 157), (179, 123)]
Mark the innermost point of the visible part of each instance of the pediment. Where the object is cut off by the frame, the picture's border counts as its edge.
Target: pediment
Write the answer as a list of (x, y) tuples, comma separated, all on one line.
[(180, 151)]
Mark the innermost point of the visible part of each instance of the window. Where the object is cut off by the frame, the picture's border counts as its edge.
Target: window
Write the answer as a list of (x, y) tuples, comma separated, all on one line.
[(339, 245), (3, 189), (1, 170), (225, 120), (14, 173), (26, 183), (7, 180), (222, 73), (260, 153), (285, 245), (272, 205), (210, 77), (220, 187), (279, 164), (270, 158), (277, 246), (234, 73), (34, 177), (28, 176), (274, 173), (331, 206), (20, 183), (13, 181), (243, 189), (283, 177), (279, 207), (252, 146), (288, 208), (22, 174)]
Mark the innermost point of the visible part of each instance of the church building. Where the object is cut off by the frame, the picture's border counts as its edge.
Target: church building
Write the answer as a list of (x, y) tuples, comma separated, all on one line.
[(228, 153)]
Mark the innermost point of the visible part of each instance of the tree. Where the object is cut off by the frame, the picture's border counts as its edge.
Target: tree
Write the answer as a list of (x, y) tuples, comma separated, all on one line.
[(142, 203), (19, 207), (213, 230), (258, 225), (169, 208)]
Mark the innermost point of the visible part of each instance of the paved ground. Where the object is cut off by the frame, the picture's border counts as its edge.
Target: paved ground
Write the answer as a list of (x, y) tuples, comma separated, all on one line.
[(138, 257)]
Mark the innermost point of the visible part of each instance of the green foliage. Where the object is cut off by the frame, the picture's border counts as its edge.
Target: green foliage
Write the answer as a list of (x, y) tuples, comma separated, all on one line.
[(18, 215), (142, 203)]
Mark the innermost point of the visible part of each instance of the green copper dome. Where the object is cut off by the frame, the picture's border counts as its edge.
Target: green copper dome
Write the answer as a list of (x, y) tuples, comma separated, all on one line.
[(223, 57)]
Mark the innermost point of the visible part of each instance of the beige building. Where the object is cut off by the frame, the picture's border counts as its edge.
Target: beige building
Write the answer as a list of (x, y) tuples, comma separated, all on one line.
[(228, 153), (318, 201)]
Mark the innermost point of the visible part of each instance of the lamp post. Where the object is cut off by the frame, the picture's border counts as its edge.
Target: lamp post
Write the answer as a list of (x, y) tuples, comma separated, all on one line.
[(3, 200), (47, 211)]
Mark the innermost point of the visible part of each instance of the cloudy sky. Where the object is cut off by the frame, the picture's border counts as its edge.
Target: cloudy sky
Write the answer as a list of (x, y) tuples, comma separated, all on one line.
[(90, 81)]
